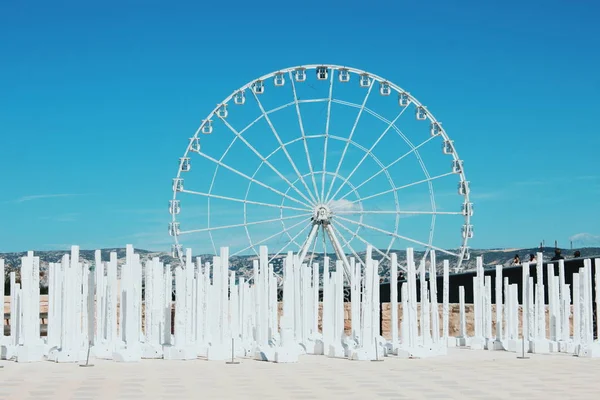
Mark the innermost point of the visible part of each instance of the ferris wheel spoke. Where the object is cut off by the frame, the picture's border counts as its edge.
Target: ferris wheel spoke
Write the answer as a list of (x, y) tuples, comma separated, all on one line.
[(326, 138), (356, 235), (290, 242), (279, 108), (404, 186), (367, 153), (287, 154), (222, 164), (360, 112), (398, 131), (400, 212), (266, 221), (258, 203), (308, 159), (269, 238), (382, 170), (264, 160), (399, 236)]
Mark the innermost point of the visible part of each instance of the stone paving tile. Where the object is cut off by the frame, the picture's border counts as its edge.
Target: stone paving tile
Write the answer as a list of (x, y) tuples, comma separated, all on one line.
[(461, 375)]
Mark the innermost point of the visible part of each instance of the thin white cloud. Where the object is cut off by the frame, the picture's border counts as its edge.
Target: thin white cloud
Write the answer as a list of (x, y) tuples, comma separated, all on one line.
[(585, 239), (486, 195), (24, 199), (69, 217), (532, 183), (344, 205)]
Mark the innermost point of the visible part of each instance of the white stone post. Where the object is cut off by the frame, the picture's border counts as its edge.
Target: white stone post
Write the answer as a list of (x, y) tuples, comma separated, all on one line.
[(488, 309), (14, 312), (540, 301), (337, 311), (412, 299), (506, 310), (394, 298), (99, 289), (424, 316), (463, 320), (30, 347), (552, 320), (446, 302), (476, 309), (557, 310), (405, 312), (479, 306), (435, 313), (375, 303), (531, 308), (499, 303), (326, 318), (296, 292), (576, 310), (112, 291), (565, 309), (527, 334), (515, 310)]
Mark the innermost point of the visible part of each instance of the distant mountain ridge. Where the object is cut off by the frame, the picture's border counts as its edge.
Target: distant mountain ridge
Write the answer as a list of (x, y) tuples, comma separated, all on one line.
[(243, 264)]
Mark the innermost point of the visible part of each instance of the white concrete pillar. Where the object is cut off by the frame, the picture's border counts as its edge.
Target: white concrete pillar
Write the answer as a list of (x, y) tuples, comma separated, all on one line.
[(412, 299), (375, 303), (524, 295), (424, 316), (540, 301), (435, 317), (488, 307), (405, 312), (507, 308), (463, 317), (499, 302), (315, 300), (476, 309), (99, 290), (531, 321), (394, 297), (446, 301), (552, 320), (576, 310)]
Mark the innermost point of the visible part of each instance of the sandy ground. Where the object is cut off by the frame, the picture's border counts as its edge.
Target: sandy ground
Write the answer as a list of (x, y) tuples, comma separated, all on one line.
[(463, 374)]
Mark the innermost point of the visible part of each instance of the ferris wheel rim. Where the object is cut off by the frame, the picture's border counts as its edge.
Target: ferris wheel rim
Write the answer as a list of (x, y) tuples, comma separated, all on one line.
[(374, 78)]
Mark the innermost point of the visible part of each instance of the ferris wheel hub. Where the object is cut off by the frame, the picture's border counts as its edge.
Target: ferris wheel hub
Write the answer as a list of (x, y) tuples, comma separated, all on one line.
[(322, 214)]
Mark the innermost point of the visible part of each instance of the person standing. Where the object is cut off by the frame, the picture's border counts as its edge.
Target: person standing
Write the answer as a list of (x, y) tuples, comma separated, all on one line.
[(557, 255)]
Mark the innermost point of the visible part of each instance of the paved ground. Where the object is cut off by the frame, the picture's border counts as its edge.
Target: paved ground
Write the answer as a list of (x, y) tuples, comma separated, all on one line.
[(463, 374)]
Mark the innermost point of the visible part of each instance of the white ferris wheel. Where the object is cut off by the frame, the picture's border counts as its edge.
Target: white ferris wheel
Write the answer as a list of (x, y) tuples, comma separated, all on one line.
[(321, 159)]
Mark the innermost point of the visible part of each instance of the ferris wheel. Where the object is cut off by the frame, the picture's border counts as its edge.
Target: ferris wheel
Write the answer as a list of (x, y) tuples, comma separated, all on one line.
[(322, 159)]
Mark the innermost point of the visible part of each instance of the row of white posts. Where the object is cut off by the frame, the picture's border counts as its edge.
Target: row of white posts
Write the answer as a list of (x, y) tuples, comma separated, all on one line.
[(218, 316), (544, 328)]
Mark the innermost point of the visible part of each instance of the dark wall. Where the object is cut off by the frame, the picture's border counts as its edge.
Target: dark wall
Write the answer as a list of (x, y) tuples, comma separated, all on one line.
[(514, 275)]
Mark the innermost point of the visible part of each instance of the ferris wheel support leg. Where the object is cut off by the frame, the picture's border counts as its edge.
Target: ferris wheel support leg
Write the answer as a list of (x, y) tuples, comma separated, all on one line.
[(309, 240), (338, 250)]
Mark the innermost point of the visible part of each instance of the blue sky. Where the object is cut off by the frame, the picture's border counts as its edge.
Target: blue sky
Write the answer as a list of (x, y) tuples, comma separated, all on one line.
[(97, 102)]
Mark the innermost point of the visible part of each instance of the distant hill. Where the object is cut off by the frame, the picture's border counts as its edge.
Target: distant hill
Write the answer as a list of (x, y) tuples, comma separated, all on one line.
[(243, 264)]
